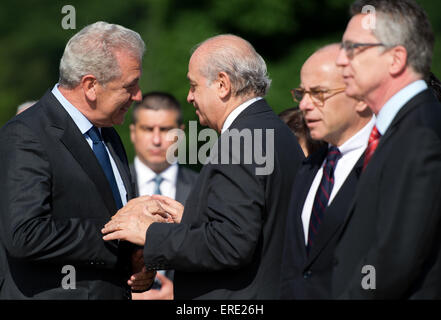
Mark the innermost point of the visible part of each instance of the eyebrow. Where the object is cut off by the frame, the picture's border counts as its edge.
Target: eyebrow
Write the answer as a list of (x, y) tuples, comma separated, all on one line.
[(318, 88), (133, 82)]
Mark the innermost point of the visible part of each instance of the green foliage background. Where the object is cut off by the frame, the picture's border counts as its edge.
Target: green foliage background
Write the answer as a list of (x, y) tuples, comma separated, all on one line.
[(284, 32)]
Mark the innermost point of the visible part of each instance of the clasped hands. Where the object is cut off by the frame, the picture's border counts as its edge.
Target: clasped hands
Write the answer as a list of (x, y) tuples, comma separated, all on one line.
[(131, 222)]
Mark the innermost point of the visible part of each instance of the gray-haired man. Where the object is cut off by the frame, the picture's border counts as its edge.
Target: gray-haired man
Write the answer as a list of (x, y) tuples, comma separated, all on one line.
[(64, 172), (229, 242)]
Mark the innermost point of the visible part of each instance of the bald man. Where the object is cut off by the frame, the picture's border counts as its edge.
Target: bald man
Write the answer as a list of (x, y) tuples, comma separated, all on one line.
[(229, 242), (326, 182)]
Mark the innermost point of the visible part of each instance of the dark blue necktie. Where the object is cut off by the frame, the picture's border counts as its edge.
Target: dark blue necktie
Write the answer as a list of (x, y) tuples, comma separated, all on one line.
[(323, 193), (103, 158)]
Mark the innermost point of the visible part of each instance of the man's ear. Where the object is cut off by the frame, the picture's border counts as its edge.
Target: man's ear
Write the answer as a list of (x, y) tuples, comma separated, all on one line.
[(88, 84), (223, 85), (361, 106), (398, 60)]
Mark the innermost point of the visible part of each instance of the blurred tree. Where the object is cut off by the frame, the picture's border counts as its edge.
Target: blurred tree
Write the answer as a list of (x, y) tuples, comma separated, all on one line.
[(284, 32)]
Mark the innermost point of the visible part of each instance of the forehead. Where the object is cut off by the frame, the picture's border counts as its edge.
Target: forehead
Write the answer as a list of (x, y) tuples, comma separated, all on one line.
[(157, 117), (194, 66), (129, 65), (320, 70), (359, 28)]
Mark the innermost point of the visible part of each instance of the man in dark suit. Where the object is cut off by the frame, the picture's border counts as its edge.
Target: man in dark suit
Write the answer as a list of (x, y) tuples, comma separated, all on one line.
[(229, 242), (152, 119), (390, 244), (64, 172), (345, 124)]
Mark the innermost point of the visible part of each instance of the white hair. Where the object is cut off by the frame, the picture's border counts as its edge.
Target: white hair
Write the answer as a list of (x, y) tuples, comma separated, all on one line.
[(91, 51), (22, 107), (245, 67)]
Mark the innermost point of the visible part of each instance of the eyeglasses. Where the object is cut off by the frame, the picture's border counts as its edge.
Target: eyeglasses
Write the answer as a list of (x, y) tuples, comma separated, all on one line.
[(349, 47), (318, 96)]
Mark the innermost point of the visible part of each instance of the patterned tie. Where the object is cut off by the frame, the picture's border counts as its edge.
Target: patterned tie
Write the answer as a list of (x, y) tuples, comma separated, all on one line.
[(158, 180), (103, 158), (323, 193), (374, 139)]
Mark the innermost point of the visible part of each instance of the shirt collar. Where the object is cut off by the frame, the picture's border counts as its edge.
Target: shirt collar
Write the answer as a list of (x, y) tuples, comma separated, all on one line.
[(394, 104), (80, 120), (358, 140), (235, 113), (146, 174)]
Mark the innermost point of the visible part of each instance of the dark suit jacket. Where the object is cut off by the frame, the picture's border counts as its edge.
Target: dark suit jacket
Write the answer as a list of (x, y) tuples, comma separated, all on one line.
[(184, 182), (54, 200), (229, 243), (309, 276), (394, 224)]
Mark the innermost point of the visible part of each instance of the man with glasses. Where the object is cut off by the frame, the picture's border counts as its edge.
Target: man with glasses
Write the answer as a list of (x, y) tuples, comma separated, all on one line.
[(390, 244), (325, 184)]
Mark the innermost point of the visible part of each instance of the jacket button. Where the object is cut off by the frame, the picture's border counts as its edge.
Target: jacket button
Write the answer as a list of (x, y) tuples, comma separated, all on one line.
[(307, 274)]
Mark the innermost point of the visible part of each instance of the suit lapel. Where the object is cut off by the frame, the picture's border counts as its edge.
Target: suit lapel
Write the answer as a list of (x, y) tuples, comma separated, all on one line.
[(64, 128), (182, 186), (118, 155), (304, 180), (337, 212)]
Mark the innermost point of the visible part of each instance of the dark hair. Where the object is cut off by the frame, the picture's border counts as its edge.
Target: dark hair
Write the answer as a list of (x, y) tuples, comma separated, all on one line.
[(405, 23), (293, 117), (157, 100)]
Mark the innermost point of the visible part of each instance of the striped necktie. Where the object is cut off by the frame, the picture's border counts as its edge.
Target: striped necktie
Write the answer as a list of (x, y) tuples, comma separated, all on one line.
[(323, 193)]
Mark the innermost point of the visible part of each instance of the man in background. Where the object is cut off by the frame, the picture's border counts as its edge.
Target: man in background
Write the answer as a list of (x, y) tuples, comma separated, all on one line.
[(152, 120), (390, 243), (325, 185)]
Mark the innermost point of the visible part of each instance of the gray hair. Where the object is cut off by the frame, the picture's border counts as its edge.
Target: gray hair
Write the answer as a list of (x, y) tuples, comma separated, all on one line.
[(246, 69), (91, 51), (22, 107), (405, 23)]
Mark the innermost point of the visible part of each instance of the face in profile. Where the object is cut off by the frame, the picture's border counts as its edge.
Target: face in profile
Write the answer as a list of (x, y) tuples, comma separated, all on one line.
[(201, 94), (365, 67), (149, 133), (327, 110)]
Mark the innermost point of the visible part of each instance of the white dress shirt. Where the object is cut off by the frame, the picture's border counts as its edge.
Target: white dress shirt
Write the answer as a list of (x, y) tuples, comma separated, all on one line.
[(146, 183), (84, 125), (235, 113), (351, 151)]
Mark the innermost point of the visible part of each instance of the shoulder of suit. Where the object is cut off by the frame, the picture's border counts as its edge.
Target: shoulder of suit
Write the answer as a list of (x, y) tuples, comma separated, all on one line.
[(191, 174)]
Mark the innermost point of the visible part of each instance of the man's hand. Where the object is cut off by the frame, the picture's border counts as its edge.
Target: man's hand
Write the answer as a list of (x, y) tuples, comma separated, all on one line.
[(130, 223), (173, 208), (142, 280), (165, 293)]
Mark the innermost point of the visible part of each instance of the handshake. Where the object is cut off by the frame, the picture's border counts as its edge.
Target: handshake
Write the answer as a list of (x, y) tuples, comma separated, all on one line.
[(132, 221)]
